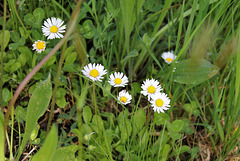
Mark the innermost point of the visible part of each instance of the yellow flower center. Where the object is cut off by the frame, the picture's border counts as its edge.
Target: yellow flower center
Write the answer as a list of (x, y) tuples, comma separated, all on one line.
[(151, 89), (169, 59), (40, 45), (53, 29), (94, 73), (117, 81), (159, 102), (123, 99)]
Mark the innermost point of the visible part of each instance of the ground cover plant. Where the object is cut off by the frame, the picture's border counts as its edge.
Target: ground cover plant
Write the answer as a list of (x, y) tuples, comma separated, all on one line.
[(120, 80)]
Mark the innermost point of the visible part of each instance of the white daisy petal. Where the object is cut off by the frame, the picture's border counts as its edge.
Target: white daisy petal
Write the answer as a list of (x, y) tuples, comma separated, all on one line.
[(169, 57), (53, 28), (150, 87), (94, 72), (124, 97), (160, 102), (39, 46), (117, 79)]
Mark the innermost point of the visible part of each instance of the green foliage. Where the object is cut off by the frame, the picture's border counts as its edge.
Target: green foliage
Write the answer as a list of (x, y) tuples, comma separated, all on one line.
[(127, 36), (35, 19), (48, 149), (193, 71), (36, 108), (2, 156)]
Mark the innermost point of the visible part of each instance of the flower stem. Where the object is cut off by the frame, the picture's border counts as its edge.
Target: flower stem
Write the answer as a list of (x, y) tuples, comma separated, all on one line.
[(56, 82)]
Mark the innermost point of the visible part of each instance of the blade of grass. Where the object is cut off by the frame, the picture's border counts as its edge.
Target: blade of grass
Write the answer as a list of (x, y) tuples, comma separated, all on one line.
[(2, 50), (61, 7)]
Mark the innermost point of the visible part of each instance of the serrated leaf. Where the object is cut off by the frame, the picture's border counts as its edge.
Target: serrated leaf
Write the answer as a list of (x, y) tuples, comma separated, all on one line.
[(48, 149), (192, 71)]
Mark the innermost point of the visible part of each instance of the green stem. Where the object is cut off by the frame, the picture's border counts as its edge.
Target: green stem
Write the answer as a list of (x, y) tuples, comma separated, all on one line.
[(2, 50), (56, 86)]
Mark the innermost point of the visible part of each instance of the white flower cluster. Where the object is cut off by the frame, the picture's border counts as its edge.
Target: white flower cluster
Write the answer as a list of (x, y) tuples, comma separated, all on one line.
[(52, 28)]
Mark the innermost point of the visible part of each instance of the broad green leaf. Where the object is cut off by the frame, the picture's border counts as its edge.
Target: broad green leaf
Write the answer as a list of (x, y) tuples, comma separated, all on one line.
[(16, 45), (65, 153), (160, 118), (120, 149), (175, 135), (70, 58), (36, 34), (6, 95), (6, 38), (86, 129), (50, 61), (61, 102), (176, 126), (37, 106), (192, 71), (15, 67), (182, 149), (87, 114), (22, 59), (35, 141), (97, 122), (15, 36), (2, 156), (68, 51), (48, 149), (139, 118), (24, 33), (34, 133), (165, 152), (60, 92), (28, 53), (20, 113), (87, 30)]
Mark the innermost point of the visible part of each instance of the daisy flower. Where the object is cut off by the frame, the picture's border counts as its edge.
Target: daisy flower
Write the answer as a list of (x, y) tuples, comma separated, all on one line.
[(53, 28), (124, 97), (39, 46), (94, 71), (118, 80), (160, 102), (168, 57), (150, 87)]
